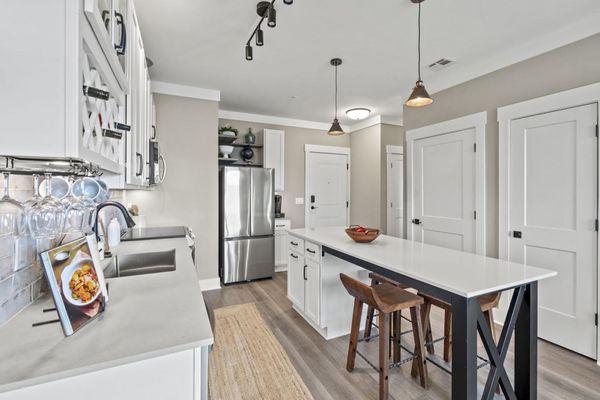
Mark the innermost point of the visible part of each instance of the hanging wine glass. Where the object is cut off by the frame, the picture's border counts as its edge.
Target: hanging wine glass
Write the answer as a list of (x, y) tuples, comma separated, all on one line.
[(12, 213), (46, 218), (77, 211), (82, 189)]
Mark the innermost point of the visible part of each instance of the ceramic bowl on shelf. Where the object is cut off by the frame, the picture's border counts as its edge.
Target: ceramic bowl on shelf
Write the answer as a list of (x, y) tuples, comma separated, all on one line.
[(229, 133), (226, 151), (361, 234)]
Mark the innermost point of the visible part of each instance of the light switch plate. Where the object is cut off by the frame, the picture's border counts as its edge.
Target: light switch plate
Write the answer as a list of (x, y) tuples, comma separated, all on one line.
[(299, 200)]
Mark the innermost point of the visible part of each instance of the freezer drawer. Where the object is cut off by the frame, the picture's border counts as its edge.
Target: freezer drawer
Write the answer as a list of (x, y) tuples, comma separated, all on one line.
[(248, 259)]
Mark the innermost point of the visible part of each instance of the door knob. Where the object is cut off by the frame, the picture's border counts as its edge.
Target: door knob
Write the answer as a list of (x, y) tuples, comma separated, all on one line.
[(313, 207), (416, 221), (517, 234)]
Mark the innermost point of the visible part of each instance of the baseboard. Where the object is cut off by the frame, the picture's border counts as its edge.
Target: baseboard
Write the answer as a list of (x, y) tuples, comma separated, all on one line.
[(209, 284), (281, 268)]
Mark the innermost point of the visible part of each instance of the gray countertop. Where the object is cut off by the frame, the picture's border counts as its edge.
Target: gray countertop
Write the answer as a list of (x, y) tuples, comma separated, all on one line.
[(147, 316)]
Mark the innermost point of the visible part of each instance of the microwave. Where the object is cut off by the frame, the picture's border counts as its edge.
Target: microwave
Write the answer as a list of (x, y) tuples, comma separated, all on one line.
[(157, 168)]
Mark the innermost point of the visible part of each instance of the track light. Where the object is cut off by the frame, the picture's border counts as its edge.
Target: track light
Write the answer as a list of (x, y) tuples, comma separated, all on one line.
[(260, 40), (272, 18), (266, 11)]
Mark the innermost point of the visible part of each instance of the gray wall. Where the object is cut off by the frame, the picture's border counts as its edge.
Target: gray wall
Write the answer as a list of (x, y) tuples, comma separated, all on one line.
[(187, 133), (565, 68), (365, 177), (295, 139)]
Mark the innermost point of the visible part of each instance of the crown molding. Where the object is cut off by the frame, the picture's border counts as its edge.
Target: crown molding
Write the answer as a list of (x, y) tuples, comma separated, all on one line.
[(273, 120), (462, 73), (376, 120), (301, 123), (175, 89)]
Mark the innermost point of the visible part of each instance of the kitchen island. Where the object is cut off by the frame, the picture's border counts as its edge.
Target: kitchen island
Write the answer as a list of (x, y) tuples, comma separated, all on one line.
[(152, 342), (456, 277)]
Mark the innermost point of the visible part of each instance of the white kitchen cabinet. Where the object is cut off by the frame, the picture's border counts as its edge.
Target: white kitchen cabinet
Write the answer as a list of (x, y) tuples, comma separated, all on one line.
[(274, 155), (180, 375), (312, 290), (281, 254), (296, 279), (56, 61), (315, 288)]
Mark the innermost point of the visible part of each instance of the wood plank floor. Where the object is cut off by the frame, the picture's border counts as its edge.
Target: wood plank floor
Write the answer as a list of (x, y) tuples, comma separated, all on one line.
[(321, 364)]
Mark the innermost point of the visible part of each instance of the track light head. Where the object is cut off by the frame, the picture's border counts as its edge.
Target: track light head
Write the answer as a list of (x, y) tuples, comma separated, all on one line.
[(272, 17), (248, 52), (260, 37)]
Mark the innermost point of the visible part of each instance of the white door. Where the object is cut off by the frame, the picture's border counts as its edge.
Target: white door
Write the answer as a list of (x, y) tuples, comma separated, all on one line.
[(444, 190), (295, 280), (327, 189), (395, 187), (311, 294), (553, 211)]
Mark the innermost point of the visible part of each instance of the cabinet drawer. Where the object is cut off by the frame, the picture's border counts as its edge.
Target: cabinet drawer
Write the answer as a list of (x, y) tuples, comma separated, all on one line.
[(296, 245), (313, 251), (282, 225)]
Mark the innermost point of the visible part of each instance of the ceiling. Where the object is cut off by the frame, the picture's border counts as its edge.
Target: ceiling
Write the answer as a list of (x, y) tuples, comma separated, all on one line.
[(201, 43)]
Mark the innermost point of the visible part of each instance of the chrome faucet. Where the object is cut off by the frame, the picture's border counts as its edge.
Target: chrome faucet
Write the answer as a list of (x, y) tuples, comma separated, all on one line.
[(121, 207)]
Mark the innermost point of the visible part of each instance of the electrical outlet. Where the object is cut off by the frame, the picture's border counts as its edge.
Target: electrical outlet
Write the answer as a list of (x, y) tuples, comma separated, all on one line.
[(299, 200)]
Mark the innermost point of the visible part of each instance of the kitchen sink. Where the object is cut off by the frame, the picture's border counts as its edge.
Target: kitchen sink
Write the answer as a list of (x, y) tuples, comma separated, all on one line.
[(141, 264)]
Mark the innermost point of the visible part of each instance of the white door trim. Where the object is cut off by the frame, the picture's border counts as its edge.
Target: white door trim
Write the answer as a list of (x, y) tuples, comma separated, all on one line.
[(389, 150), (477, 121), (558, 101), (315, 148)]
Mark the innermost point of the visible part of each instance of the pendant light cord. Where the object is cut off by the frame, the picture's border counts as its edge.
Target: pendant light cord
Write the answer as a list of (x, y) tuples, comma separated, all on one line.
[(419, 45), (336, 91)]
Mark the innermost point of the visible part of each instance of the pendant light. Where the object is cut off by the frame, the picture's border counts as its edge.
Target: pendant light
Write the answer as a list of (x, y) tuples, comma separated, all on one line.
[(336, 129), (419, 96)]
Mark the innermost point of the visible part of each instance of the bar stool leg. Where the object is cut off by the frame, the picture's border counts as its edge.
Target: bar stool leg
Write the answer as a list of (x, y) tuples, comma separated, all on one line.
[(426, 321), (369, 321), (419, 366), (384, 333), (358, 305), (447, 335), (397, 334)]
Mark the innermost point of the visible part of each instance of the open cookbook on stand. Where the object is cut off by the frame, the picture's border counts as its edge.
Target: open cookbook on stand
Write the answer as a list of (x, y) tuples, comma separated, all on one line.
[(77, 283)]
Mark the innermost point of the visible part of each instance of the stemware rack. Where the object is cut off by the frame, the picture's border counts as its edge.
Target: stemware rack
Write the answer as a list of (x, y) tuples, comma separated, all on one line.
[(63, 166)]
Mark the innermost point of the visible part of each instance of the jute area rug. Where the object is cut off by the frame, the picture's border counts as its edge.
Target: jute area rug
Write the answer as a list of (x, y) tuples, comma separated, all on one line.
[(247, 361)]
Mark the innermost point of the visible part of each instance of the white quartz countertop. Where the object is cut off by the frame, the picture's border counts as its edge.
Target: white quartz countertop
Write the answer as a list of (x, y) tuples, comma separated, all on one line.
[(462, 273), (147, 316)]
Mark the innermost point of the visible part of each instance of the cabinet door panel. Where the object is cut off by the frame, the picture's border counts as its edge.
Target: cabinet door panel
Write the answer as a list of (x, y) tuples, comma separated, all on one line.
[(312, 291), (280, 248), (296, 280), (274, 155)]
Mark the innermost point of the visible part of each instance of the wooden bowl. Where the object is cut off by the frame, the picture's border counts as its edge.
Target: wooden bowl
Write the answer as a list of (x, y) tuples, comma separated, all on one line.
[(367, 236)]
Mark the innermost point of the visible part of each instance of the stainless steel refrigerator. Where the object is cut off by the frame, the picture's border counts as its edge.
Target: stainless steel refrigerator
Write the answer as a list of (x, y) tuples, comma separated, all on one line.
[(246, 228)]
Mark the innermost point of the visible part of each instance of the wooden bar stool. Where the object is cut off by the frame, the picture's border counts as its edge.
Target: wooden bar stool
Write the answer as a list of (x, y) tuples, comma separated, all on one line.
[(377, 279), (487, 302), (388, 300)]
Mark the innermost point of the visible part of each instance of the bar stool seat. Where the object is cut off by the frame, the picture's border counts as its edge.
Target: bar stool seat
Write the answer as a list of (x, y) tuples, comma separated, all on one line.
[(389, 301)]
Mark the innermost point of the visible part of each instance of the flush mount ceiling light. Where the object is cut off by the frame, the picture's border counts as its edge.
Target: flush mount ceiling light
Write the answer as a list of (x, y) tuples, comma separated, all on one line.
[(358, 113), (419, 96), (336, 129), (265, 10)]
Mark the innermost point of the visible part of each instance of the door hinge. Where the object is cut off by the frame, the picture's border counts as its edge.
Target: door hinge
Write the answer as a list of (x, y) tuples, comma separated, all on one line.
[(597, 130), (596, 319), (392, 205), (596, 225), (474, 147), (474, 214), (347, 167), (347, 204), (391, 165)]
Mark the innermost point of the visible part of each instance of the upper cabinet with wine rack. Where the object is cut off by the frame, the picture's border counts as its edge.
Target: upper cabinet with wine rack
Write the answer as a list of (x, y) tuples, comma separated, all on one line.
[(68, 82)]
